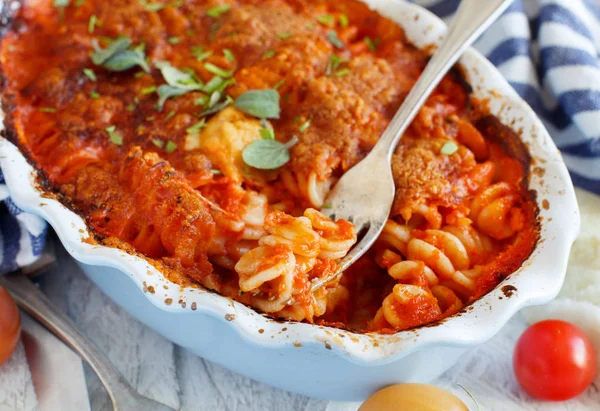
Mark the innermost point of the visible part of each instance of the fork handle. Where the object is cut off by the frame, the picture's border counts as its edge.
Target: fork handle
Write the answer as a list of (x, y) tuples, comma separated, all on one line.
[(471, 19), (36, 304)]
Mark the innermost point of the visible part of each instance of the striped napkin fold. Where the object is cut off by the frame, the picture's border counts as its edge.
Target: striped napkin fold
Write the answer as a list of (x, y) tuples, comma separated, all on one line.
[(547, 49)]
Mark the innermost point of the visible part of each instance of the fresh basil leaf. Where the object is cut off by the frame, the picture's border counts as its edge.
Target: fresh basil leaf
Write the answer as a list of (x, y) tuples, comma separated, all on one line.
[(116, 46), (259, 103), (166, 92), (125, 60), (268, 154), (61, 3)]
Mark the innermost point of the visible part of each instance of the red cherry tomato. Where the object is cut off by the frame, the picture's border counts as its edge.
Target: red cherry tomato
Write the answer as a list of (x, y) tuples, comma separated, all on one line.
[(554, 360), (10, 325)]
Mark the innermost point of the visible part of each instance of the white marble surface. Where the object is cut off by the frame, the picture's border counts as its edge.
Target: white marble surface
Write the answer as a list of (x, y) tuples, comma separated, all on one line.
[(162, 371)]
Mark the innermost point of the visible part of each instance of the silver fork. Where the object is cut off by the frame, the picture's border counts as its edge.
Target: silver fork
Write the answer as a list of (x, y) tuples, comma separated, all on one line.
[(36, 304), (364, 195)]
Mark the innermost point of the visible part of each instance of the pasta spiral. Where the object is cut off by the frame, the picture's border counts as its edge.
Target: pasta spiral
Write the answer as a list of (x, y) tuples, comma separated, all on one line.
[(495, 213), (294, 251), (436, 267)]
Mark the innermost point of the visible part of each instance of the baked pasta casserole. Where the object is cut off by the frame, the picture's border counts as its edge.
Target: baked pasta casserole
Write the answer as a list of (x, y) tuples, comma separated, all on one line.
[(205, 135)]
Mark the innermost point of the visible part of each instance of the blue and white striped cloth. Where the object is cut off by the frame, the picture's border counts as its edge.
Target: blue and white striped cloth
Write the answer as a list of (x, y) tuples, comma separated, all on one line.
[(547, 49)]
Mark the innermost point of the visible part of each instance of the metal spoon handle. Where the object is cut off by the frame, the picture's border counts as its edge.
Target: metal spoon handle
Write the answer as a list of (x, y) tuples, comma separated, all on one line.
[(471, 19), (36, 304)]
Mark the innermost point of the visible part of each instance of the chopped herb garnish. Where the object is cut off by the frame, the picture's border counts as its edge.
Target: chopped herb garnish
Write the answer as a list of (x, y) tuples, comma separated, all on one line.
[(148, 90), (93, 23), (267, 133), (158, 143), (218, 11), (310, 26), (305, 126), (197, 127), (343, 72), (297, 119), (60, 5), (150, 118), (268, 54), (152, 6), (114, 137), (259, 103), (176, 4), (215, 97), (333, 38), (190, 32), (327, 206), (268, 154), (216, 172), (214, 84), (47, 110), (174, 40), (94, 94), (228, 54), (170, 115), (116, 46), (218, 71), (344, 21), (130, 107), (170, 147), (204, 55), (89, 73), (201, 101), (284, 35), (371, 44), (215, 109), (139, 74), (79, 3), (449, 148), (334, 63), (279, 84), (213, 31), (327, 20)]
